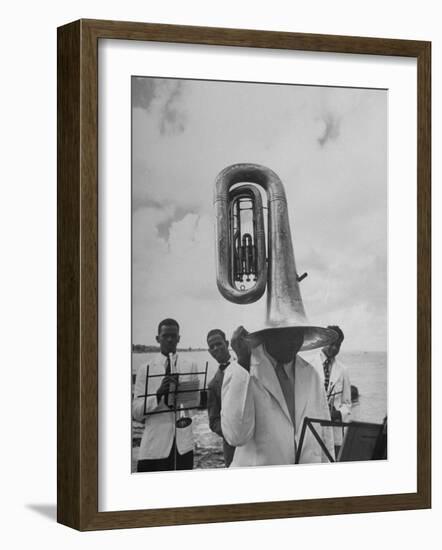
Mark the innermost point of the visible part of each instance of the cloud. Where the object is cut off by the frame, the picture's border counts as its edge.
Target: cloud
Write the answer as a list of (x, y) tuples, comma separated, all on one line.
[(143, 92), (162, 97), (172, 117), (183, 135), (164, 227), (330, 129)]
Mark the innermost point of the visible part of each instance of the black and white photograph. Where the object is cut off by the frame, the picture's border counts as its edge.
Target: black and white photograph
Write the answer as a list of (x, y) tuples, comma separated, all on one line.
[(259, 274), (221, 277)]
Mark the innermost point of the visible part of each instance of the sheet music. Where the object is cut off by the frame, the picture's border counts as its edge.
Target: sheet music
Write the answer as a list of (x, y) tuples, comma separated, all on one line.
[(187, 394)]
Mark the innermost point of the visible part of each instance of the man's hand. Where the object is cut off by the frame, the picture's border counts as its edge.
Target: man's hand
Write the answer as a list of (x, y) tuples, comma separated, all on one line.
[(165, 385), (241, 347), (336, 415)]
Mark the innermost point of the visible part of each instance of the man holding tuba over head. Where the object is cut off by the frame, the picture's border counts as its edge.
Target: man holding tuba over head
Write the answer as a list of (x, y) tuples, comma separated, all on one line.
[(269, 390)]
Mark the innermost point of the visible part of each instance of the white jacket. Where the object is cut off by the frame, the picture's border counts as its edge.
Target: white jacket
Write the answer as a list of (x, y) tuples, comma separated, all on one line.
[(255, 418), (339, 390), (159, 430)]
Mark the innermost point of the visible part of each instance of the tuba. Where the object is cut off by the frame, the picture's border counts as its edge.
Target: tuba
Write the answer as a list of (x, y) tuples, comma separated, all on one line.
[(246, 264)]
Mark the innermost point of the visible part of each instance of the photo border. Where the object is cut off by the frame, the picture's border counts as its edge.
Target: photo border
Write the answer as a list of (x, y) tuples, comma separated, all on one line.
[(77, 278)]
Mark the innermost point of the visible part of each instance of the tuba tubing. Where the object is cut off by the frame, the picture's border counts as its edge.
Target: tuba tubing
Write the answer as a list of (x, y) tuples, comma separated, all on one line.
[(278, 271)]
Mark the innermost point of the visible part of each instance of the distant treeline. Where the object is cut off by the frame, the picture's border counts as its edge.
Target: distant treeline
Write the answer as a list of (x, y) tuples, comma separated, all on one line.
[(142, 348)]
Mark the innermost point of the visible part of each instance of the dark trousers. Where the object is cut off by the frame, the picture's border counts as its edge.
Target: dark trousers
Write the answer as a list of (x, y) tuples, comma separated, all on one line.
[(228, 451), (181, 462)]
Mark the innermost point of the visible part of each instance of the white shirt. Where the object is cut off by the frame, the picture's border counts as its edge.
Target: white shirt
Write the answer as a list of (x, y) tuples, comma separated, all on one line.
[(289, 367), (287, 386)]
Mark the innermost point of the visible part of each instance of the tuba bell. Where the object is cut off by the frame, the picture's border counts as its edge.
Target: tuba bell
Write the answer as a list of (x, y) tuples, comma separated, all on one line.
[(244, 268)]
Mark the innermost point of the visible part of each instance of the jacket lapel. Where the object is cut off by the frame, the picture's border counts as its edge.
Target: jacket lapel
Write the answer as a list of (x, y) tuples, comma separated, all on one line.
[(264, 371), (334, 375), (302, 389)]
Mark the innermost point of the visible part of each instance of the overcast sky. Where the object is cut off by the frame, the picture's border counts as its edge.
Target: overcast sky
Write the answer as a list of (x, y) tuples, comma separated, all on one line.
[(328, 146)]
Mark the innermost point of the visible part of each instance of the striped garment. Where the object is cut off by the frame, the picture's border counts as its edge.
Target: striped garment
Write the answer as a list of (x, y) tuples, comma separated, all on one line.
[(327, 370)]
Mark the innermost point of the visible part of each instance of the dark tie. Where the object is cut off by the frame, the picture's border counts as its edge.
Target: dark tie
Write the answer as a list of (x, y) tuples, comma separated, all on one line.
[(167, 400), (326, 373), (287, 389)]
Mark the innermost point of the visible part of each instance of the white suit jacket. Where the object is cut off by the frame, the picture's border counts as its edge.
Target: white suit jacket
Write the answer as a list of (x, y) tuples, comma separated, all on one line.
[(255, 418), (339, 390), (159, 430)]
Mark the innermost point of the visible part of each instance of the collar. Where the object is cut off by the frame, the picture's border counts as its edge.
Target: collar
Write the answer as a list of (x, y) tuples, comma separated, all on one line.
[(223, 366), (325, 357), (274, 362), (162, 359), (260, 368)]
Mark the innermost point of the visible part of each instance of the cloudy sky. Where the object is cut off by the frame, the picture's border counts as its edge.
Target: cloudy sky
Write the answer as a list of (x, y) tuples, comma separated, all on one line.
[(328, 146)]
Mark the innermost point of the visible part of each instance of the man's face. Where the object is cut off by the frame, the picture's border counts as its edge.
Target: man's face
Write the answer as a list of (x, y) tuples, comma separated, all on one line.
[(283, 343), (332, 350), (168, 339), (218, 348)]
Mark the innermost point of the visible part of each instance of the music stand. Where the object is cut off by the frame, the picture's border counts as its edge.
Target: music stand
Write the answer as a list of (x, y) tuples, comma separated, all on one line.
[(179, 422), (202, 391), (362, 441)]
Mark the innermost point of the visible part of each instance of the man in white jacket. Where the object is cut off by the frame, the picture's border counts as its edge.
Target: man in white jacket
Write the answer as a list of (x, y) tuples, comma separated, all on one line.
[(266, 395), (337, 385), (163, 445)]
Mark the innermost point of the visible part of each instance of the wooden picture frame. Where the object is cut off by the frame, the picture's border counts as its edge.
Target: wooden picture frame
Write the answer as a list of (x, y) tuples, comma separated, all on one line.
[(77, 223)]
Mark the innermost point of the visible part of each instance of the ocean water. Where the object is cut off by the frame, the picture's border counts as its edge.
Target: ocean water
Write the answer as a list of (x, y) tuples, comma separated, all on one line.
[(367, 371)]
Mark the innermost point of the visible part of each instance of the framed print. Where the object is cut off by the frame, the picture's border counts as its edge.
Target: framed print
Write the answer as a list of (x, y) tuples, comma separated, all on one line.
[(243, 275)]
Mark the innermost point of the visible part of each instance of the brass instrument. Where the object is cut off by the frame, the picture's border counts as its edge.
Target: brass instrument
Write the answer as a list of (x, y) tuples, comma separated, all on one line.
[(243, 267)]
